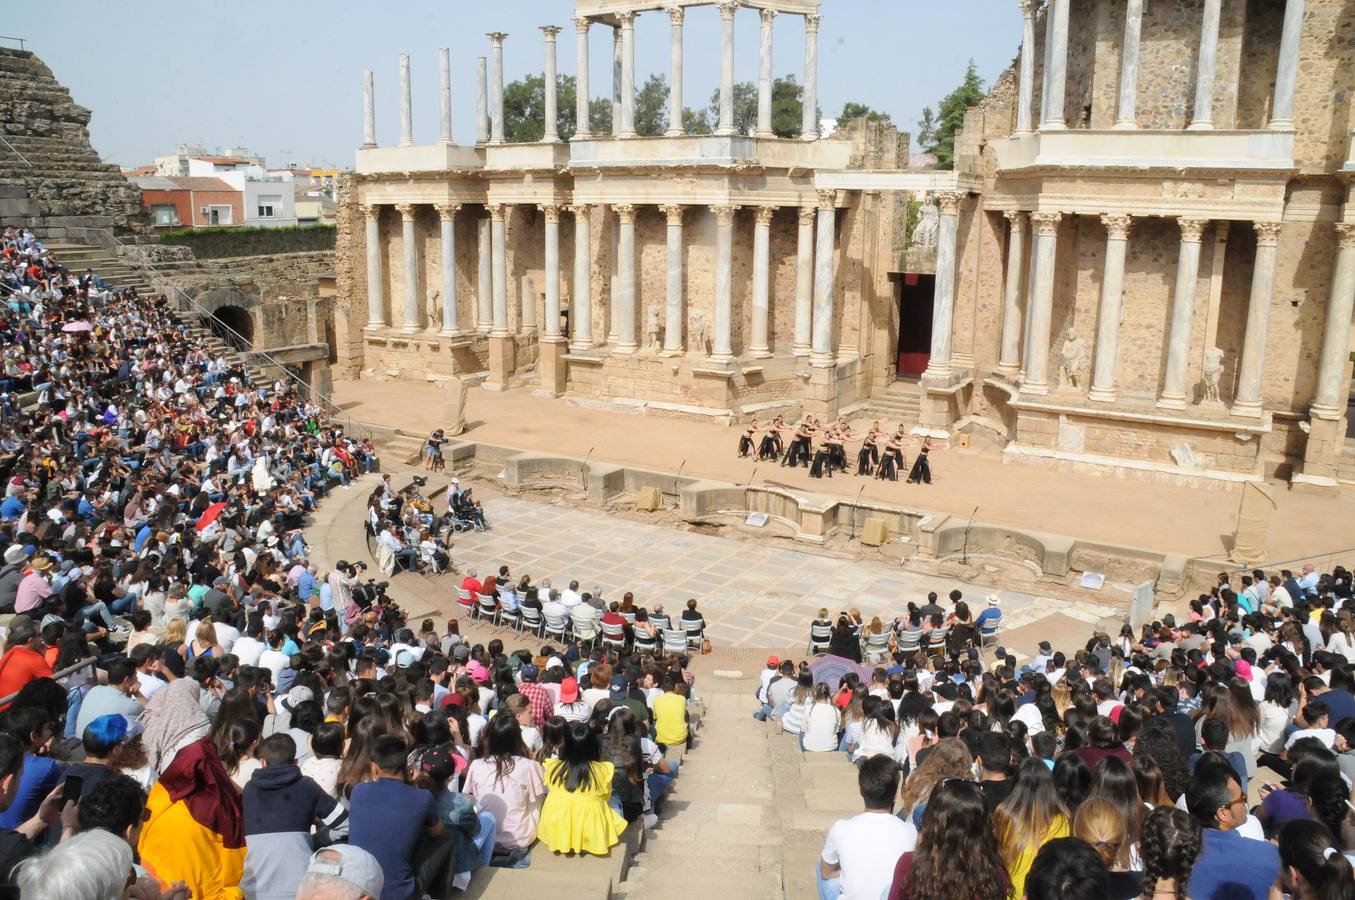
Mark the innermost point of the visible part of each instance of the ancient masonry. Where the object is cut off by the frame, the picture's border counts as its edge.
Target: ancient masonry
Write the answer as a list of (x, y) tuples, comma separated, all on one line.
[(1143, 261)]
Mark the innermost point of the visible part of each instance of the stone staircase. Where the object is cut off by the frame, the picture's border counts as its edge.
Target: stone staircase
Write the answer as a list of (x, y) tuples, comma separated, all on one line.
[(900, 403)]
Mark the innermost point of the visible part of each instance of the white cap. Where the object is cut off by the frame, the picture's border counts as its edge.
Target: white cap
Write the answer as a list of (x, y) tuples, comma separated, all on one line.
[(354, 865)]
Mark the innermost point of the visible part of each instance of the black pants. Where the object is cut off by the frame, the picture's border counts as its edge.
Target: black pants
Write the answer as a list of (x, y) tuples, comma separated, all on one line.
[(888, 471), (822, 464), (863, 462), (921, 472), (745, 446)]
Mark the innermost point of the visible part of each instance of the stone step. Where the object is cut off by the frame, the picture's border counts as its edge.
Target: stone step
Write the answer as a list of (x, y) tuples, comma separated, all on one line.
[(694, 881)]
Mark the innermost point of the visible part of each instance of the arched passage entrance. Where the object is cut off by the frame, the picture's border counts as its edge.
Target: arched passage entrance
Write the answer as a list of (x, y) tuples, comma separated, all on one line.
[(234, 325)]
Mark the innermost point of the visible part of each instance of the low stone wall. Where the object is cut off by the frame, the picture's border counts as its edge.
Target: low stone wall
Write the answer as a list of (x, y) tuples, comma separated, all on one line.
[(216, 243)]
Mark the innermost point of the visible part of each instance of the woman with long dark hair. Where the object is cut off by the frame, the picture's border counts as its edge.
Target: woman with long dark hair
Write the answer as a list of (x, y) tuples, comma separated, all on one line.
[(1314, 868), (506, 781), (576, 817), (1030, 817), (1114, 781), (1170, 845), (957, 855)]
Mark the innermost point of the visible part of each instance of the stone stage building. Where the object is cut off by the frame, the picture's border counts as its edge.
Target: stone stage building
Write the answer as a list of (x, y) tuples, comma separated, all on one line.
[(1143, 262)]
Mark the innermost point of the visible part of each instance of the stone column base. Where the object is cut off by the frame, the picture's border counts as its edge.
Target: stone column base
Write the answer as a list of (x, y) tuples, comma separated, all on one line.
[(821, 393), (502, 362), (553, 367), (1321, 453)]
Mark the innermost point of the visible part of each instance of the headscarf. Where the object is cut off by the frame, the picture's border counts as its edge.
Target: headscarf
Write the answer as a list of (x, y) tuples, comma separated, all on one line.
[(197, 777), (173, 715)]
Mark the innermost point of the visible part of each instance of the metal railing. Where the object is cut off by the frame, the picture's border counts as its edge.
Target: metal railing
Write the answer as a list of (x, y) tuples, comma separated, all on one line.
[(1328, 557), (21, 41), (56, 676), (15, 151)]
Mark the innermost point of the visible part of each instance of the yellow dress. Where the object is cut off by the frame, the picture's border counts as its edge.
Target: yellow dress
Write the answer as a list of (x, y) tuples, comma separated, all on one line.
[(580, 821), (1057, 829)]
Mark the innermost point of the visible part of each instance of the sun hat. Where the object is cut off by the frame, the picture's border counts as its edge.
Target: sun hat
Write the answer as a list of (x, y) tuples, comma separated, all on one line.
[(15, 554), (994, 600)]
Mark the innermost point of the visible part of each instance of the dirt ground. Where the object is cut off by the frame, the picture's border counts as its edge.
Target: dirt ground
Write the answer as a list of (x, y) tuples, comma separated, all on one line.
[(1128, 512)]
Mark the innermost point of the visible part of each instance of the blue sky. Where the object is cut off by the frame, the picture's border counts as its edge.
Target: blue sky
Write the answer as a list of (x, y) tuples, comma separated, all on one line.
[(284, 78)]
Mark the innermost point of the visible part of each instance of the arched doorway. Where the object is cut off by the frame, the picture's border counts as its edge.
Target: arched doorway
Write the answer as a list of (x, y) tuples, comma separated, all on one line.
[(233, 325)]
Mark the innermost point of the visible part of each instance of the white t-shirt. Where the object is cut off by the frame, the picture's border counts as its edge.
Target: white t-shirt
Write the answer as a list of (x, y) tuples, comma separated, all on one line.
[(866, 848), (248, 650), (1326, 735)]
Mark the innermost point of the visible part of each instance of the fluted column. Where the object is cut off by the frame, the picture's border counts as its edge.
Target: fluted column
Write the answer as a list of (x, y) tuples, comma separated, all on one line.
[(821, 349), (551, 212), (1127, 115), (481, 100), (496, 87), (1041, 313), (804, 282), (727, 9), (1026, 91), (722, 349), (1247, 401), (1203, 119), (484, 293), (809, 114), (582, 127), (498, 237), (625, 277), (627, 74), (581, 305), (1056, 67), (447, 217), (410, 246), (1183, 314), (1009, 359), (943, 299), (551, 135), (676, 15), (1106, 364), (1287, 69), (1330, 400), (674, 317), (445, 84), (764, 80), (376, 299), (406, 105), (758, 342), (368, 110)]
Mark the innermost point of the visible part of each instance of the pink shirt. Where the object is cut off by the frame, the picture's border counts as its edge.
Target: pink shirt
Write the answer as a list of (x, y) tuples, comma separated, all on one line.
[(33, 592), (512, 799)]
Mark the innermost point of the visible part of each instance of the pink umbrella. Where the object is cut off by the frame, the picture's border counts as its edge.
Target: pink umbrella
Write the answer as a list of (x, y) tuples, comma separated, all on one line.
[(76, 327)]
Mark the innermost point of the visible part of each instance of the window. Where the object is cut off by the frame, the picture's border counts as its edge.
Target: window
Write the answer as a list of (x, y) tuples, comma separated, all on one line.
[(164, 214), (267, 204), (219, 215)]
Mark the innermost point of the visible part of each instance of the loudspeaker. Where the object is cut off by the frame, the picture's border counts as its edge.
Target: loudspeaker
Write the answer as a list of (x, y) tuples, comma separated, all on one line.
[(650, 499), (962, 441), (875, 532)]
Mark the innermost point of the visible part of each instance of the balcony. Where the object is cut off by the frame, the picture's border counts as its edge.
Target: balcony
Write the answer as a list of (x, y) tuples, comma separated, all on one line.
[(421, 158), (1136, 149)]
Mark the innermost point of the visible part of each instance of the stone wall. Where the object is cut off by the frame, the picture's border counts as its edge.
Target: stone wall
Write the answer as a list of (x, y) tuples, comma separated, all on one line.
[(212, 243)]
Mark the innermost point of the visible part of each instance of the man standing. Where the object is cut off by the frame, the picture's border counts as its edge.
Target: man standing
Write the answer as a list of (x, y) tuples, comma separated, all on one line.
[(860, 853), (1229, 864)]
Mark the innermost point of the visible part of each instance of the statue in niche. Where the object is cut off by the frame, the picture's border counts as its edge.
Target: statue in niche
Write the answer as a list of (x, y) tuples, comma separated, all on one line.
[(928, 225), (1212, 371), (652, 332), (698, 331), (434, 308), (1072, 359)]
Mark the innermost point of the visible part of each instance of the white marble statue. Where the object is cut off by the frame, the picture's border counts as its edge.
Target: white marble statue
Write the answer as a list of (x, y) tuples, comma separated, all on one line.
[(699, 332), (653, 342), (1072, 359), (928, 225), (1212, 370)]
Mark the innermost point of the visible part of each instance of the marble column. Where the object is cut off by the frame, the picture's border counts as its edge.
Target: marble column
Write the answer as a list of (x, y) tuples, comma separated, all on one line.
[(1183, 314), (627, 74), (1127, 115), (406, 105), (1026, 91), (581, 304), (376, 299), (727, 8), (804, 282), (368, 110), (447, 217), (943, 298), (674, 318), (1009, 359), (582, 127), (1046, 226), (764, 79), (551, 213), (1330, 400), (496, 87), (1057, 73), (1247, 401), (1106, 362), (1032, 277), (722, 348), (821, 347), (759, 342), (809, 116), (1203, 119), (1287, 69), (676, 16), (484, 293), (625, 277), (617, 65), (481, 100), (409, 243), (498, 237), (445, 83), (551, 134)]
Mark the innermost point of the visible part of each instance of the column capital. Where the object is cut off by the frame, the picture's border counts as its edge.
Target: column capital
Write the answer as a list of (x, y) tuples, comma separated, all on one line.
[(579, 210), (1117, 227), (764, 214), (1192, 229), (767, 15), (1017, 217), (373, 211), (1267, 233), (496, 38), (627, 19), (948, 202), (406, 211), (1029, 7), (807, 214), (1345, 236), (674, 212), (1046, 223), (497, 211), (625, 212), (551, 211), (550, 31), (724, 215), (812, 21), (448, 210), (581, 24), (727, 8), (676, 14), (827, 199)]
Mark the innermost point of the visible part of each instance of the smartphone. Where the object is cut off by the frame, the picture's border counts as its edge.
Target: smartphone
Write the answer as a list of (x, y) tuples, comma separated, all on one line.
[(70, 790)]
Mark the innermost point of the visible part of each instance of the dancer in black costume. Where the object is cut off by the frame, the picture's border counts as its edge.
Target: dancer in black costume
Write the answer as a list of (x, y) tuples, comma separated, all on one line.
[(922, 470), (823, 461), (770, 448), (869, 451), (890, 461), (798, 450), (746, 443)]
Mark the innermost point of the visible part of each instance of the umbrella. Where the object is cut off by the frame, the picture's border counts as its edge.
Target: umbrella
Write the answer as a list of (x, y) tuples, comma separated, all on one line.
[(74, 327), (831, 669), (209, 515)]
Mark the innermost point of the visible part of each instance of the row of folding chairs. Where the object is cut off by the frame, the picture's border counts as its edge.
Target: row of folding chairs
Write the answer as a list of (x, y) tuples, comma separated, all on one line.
[(506, 613), (909, 640)]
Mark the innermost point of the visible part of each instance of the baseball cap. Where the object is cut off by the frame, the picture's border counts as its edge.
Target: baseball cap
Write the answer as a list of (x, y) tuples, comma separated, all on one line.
[(620, 684), (569, 690), (461, 652), (440, 763), (773, 660), (453, 699), (477, 671), (354, 865), (404, 659), (530, 672)]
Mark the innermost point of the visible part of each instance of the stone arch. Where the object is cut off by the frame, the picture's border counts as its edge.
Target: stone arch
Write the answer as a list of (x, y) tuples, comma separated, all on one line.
[(233, 314)]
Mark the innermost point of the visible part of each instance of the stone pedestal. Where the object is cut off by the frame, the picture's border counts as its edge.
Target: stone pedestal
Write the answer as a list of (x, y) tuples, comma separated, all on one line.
[(820, 397), (502, 362), (554, 369)]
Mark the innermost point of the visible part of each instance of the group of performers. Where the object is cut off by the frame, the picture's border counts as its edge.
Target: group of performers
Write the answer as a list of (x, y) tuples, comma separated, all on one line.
[(881, 455)]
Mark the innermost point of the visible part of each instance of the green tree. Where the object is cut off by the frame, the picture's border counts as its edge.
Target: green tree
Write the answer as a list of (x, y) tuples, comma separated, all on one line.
[(787, 104), (950, 117), (524, 109), (695, 121), (926, 128), (600, 116), (745, 107), (853, 110), (787, 107), (651, 107)]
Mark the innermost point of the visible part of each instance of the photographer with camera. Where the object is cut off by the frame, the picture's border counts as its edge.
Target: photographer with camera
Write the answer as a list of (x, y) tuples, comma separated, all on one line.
[(342, 579)]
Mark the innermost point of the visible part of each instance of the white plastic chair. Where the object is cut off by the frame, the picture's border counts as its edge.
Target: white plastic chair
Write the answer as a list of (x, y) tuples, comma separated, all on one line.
[(613, 635), (820, 637)]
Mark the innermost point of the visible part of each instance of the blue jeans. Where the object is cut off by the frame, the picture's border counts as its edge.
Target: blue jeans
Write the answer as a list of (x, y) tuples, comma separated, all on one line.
[(829, 888), (484, 841), (99, 609), (764, 713), (74, 698), (659, 783)]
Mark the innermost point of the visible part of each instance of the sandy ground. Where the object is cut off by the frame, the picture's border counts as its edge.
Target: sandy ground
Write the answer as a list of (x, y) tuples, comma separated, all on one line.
[(1127, 512)]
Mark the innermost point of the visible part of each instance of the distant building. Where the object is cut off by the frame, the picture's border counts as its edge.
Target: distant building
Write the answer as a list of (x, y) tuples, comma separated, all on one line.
[(190, 202)]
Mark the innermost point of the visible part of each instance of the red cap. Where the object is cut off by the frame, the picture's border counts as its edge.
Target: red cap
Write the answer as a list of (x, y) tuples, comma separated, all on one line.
[(569, 690), (773, 660)]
